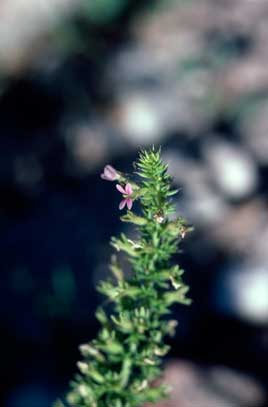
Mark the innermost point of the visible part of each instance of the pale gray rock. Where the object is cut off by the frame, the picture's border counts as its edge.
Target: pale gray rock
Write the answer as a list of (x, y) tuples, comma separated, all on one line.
[(232, 169), (254, 129), (24, 24), (243, 292)]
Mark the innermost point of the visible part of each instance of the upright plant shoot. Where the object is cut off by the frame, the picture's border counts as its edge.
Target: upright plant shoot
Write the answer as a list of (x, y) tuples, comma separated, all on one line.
[(120, 366)]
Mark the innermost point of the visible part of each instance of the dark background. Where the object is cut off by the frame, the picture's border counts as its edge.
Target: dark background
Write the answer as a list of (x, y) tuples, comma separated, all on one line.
[(83, 84)]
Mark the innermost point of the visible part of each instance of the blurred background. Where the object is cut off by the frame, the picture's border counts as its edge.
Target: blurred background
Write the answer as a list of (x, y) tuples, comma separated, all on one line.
[(84, 83)]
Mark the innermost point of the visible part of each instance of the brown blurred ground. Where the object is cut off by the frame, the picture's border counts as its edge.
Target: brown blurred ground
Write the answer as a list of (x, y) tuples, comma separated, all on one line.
[(196, 386)]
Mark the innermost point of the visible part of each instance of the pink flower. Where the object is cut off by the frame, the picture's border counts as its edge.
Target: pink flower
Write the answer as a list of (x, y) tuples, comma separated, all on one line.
[(109, 173), (127, 192)]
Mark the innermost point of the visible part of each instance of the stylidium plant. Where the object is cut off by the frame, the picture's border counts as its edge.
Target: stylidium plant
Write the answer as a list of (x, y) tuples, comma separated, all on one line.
[(120, 367)]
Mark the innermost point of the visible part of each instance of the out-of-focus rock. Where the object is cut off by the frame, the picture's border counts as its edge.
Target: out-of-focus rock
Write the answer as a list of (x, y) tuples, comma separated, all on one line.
[(184, 170), (243, 77), (206, 208), (232, 169), (198, 58), (198, 201), (243, 292), (260, 248), (218, 386), (240, 230), (139, 118), (87, 145), (254, 129), (243, 389), (24, 29)]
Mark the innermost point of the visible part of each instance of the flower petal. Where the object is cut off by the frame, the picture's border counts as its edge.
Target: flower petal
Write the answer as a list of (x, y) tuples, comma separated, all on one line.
[(107, 172), (129, 203), (128, 189), (109, 168), (122, 204), (110, 172), (120, 189)]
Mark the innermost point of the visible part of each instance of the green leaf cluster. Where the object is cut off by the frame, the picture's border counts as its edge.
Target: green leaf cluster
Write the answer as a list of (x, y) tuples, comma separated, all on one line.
[(120, 366)]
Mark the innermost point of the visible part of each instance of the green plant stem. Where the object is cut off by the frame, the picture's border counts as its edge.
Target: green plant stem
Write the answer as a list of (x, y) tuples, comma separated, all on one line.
[(120, 366)]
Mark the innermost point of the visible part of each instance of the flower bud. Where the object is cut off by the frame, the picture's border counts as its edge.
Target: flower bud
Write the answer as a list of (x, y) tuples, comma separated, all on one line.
[(110, 174)]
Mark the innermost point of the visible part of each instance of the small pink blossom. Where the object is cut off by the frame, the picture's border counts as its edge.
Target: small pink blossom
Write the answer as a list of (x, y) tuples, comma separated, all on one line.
[(109, 173), (127, 192)]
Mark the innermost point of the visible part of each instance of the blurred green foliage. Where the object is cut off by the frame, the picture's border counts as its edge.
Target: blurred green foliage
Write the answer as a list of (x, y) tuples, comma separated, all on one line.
[(104, 11)]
